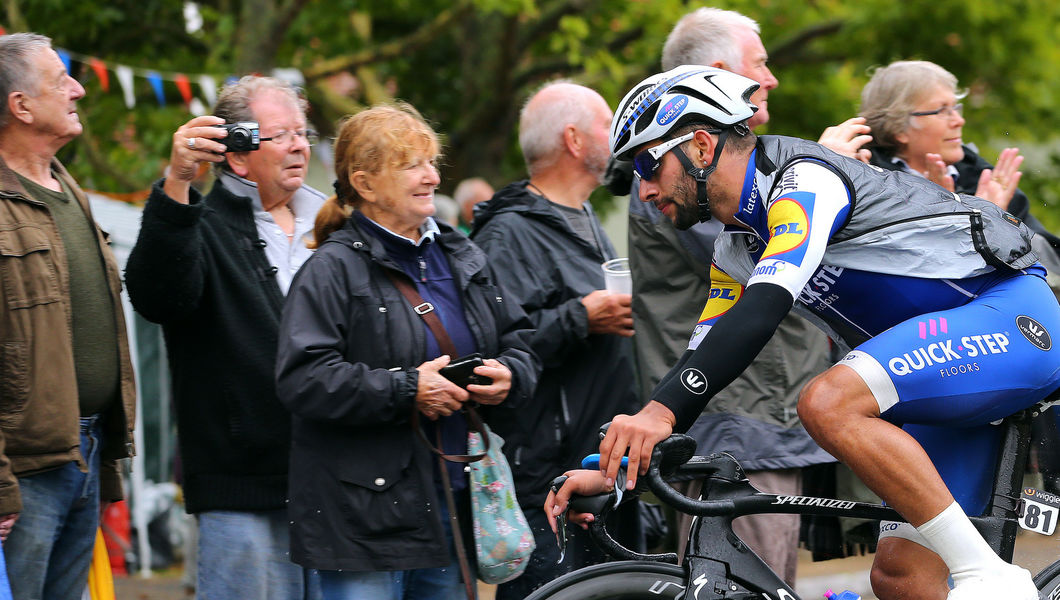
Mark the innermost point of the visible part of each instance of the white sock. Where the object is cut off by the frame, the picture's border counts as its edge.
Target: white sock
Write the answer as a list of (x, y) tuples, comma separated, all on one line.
[(953, 537)]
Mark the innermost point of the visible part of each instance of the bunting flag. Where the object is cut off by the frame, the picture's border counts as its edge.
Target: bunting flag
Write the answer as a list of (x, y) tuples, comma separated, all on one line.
[(65, 57), (125, 74), (184, 86), (156, 83), (101, 73), (125, 78), (208, 85)]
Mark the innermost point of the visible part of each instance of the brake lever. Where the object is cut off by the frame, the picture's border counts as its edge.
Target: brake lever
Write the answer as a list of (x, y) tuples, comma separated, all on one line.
[(561, 536), (561, 520)]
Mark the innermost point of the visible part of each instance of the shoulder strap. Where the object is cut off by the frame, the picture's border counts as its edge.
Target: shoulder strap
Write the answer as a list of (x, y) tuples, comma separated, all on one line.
[(426, 310)]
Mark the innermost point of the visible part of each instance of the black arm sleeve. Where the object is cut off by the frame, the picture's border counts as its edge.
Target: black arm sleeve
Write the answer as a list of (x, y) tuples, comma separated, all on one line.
[(727, 349)]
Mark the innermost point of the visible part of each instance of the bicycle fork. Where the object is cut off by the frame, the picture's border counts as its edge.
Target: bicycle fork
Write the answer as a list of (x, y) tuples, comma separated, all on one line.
[(733, 571)]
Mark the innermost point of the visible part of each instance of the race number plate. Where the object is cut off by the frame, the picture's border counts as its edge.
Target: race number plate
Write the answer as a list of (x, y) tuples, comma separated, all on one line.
[(1039, 511)]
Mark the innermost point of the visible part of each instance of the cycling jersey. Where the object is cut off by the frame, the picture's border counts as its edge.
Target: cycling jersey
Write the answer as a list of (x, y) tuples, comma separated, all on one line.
[(938, 294)]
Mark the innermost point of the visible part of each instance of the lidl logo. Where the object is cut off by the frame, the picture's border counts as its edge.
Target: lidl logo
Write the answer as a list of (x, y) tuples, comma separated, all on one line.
[(724, 292), (788, 227), (795, 228)]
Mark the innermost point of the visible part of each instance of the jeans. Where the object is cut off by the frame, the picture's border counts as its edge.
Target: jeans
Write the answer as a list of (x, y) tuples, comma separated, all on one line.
[(443, 583), (246, 555), (50, 547)]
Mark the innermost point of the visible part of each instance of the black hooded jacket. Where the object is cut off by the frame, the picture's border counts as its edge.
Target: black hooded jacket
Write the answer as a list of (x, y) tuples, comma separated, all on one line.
[(361, 486), (587, 379)]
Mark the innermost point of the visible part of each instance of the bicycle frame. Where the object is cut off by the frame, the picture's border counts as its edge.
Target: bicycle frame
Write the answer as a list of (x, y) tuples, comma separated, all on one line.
[(718, 563)]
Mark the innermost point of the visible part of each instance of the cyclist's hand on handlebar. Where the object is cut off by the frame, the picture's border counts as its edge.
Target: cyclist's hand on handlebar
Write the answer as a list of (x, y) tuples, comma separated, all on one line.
[(583, 482), (638, 434)]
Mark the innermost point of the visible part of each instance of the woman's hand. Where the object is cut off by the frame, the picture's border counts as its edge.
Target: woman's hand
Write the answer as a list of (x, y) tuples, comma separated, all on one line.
[(436, 396), (999, 184), (847, 138), (496, 392), (937, 172), (583, 482)]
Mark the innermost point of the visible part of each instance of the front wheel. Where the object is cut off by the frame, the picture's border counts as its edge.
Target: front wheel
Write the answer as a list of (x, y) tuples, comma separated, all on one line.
[(1048, 582), (621, 580)]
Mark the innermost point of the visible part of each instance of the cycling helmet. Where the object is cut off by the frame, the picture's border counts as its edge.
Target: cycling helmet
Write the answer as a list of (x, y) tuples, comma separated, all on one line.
[(664, 102), (686, 94)]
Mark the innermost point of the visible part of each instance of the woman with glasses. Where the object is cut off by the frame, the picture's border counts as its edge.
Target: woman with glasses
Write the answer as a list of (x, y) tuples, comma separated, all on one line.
[(914, 110)]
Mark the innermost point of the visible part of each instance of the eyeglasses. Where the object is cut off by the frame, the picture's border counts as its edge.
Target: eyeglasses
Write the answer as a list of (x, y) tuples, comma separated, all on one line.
[(287, 137), (944, 111), (646, 163)]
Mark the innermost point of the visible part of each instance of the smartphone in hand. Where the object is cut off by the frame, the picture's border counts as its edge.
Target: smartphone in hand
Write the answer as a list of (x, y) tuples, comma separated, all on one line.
[(461, 371)]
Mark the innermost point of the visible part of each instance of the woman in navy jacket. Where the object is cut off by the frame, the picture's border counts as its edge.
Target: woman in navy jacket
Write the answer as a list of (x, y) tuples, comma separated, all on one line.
[(355, 362)]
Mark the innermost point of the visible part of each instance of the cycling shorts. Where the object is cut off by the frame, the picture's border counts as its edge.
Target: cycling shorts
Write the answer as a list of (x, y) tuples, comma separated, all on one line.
[(964, 368)]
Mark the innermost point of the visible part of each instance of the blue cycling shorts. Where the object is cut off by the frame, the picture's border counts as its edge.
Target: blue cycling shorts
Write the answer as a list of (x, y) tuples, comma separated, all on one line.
[(963, 368)]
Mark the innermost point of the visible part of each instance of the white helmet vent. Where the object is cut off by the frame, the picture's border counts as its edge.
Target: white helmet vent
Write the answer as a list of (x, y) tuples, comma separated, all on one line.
[(689, 93)]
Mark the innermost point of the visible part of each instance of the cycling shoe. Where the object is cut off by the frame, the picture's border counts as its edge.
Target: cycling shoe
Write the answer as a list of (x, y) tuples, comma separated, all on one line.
[(1010, 582)]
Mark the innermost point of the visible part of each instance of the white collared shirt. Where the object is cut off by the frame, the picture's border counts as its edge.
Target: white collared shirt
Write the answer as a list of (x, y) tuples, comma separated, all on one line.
[(286, 254)]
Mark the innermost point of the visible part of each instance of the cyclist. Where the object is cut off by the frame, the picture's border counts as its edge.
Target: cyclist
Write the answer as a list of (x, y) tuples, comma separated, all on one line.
[(939, 296)]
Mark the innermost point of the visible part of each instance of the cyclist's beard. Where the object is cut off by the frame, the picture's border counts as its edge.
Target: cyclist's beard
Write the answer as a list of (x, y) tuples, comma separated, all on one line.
[(686, 210)]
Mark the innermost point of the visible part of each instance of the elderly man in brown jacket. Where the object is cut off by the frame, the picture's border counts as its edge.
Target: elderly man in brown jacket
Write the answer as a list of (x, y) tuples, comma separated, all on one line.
[(67, 396)]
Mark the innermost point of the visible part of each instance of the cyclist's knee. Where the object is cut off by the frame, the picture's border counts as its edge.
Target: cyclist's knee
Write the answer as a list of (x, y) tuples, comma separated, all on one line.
[(820, 401), (833, 395), (905, 570)]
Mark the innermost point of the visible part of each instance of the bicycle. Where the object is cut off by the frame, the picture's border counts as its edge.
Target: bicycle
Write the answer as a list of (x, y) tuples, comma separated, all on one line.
[(719, 566)]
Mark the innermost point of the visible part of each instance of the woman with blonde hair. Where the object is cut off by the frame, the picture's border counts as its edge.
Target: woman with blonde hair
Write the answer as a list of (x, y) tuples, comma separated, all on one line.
[(358, 367)]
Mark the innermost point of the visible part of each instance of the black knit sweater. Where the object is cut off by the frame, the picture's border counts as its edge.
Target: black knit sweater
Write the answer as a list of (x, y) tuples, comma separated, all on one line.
[(200, 270)]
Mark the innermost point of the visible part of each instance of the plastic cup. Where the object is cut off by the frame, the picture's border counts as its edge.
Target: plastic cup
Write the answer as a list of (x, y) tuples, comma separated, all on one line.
[(616, 276)]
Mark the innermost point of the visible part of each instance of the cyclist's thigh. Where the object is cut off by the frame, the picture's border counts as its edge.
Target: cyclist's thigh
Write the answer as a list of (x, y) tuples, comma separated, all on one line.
[(968, 365)]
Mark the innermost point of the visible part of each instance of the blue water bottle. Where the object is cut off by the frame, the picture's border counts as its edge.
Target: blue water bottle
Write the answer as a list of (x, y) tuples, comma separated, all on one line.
[(844, 595)]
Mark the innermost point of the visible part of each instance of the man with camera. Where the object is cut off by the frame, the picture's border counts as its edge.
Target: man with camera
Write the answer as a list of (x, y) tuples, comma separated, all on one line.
[(214, 272)]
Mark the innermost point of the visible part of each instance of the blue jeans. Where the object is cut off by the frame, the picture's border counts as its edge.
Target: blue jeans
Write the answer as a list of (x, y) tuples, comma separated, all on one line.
[(246, 555), (49, 550), (443, 583)]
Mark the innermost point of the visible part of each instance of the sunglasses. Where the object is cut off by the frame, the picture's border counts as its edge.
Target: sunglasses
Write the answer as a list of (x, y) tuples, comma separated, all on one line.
[(647, 162)]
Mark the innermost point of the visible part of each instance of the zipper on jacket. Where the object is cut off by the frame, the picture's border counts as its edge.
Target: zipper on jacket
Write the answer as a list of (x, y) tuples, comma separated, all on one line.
[(423, 270), (903, 221)]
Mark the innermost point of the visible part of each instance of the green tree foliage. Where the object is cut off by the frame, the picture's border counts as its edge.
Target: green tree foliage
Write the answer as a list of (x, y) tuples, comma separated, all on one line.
[(468, 65)]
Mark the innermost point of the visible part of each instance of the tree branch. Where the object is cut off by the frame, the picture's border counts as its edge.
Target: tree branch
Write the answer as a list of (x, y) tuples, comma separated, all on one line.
[(89, 144), (789, 51), (15, 20), (287, 13), (547, 23), (386, 50)]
